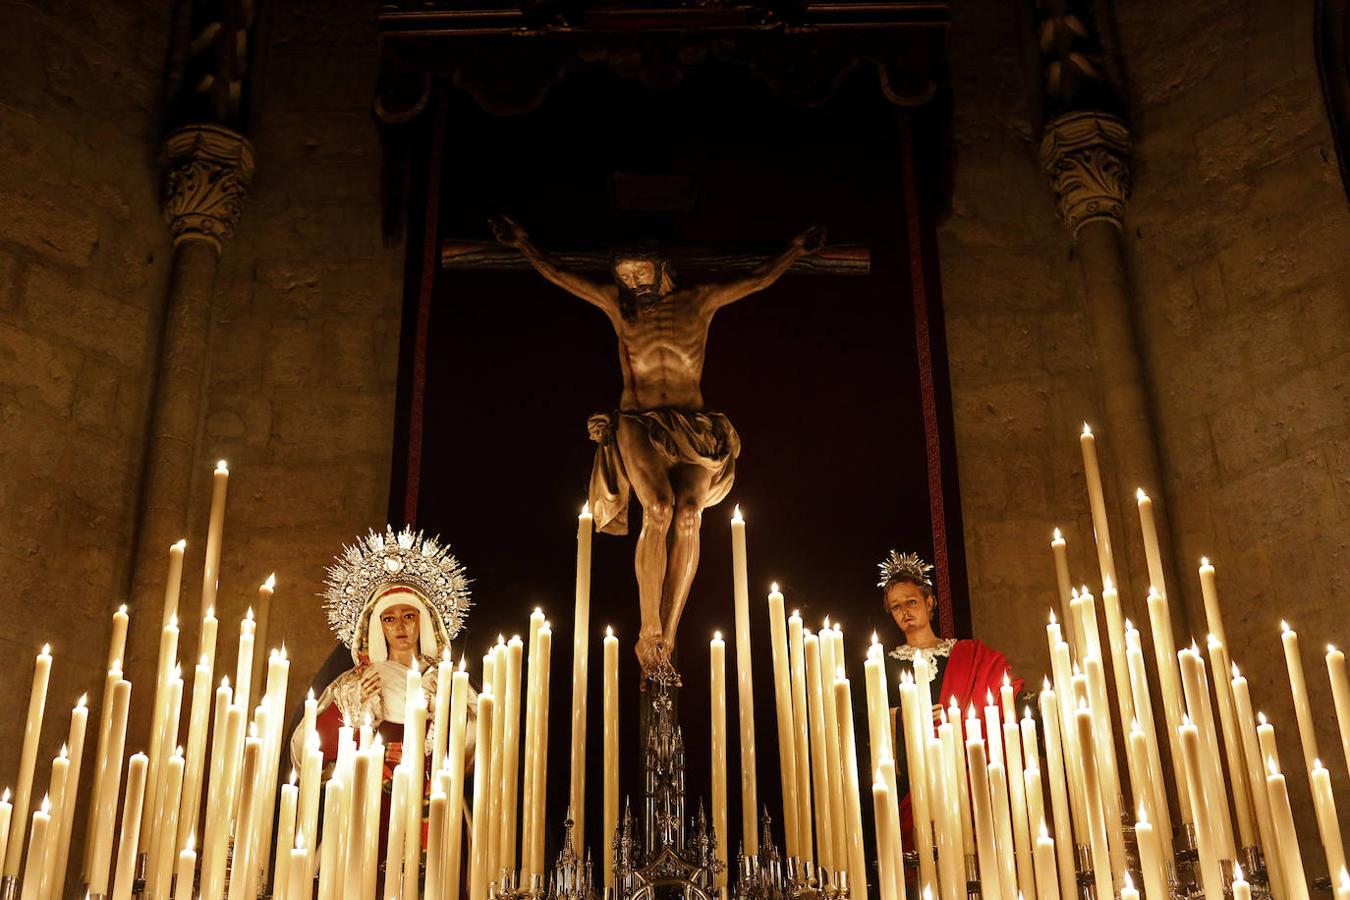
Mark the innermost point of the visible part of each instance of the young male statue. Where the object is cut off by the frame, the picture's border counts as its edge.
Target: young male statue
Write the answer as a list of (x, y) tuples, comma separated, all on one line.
[(661, 443)]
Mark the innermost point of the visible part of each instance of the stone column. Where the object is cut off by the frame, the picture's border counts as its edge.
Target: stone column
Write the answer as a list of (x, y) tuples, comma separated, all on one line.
[(1086, 155), (208, 168)]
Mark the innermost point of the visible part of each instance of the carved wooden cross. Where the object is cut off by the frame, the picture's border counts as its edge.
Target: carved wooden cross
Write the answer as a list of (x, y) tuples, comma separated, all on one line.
[(832, 259)]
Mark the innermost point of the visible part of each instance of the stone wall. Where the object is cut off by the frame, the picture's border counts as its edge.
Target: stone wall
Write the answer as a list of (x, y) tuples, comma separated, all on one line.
[(304, 345), (1236, 242), (83, 259)]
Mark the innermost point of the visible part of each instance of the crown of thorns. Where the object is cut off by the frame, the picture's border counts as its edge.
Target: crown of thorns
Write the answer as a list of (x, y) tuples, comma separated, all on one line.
[(904, 567), (406, 558)]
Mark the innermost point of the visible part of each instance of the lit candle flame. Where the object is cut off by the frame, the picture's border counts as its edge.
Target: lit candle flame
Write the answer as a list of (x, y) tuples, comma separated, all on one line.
[(1143, 815), (1129, 882), (122, 609), (1331, 648), (1107, 584), (1058, 535), (1261, 718), (988, 698), (1087, 429), (46, 804), (4, 798), (1237, 872), (271, 582), (191, 844), (1236, 673), (1053, 620), (736, 516), (222, 467), (609, 631), (180, 545), (585, 509), (210, 612), (295, 776), (462, 663), (1204, 562), (46, 650), (248, 616), (82, 702), (1045, 683), (1271, 767), (62, 753), (1284, 627), (1140, 495), (1129, 626)]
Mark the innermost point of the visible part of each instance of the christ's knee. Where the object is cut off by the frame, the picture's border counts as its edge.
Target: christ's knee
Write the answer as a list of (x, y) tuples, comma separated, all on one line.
[(658, 514), (688, 516)]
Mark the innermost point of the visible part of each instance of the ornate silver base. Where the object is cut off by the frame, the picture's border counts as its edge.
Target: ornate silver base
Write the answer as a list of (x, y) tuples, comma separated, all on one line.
[(9, 888), (972, 876)]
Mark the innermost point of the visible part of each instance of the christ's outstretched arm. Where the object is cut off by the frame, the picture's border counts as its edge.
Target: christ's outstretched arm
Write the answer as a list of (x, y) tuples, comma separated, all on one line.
[(509, 232), (767, 272)]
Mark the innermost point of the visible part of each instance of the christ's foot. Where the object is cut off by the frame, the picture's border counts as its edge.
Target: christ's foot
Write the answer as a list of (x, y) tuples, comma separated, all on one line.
[(654, 656)]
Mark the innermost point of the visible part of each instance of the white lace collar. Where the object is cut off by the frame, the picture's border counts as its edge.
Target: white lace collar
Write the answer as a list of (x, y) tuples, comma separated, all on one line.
[(941, 648)]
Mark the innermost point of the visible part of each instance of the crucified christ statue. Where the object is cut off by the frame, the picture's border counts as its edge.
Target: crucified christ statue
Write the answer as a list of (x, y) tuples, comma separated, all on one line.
[(661, 443)]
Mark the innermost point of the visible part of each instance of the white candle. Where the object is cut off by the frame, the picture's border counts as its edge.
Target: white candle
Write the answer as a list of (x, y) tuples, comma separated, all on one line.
[(414, 759), (1241, 889), (982, 808), (243, 673), (1097, 502), (357, 807), (129, 842), (494, 783), (1021, 828), (1003, 831), (436, 829), (262, 616), (1327, 824), (215, 528), (819, 759), (1251, 754), (301, 882), (1059, 794), (482, 788), (1232, 743), (1298, 688), (515, 649), (195, 757), (287, 833), (244, 864), (958, 754), (1152, 548), (311, 771), (1291, 861), (37, 705), (1340, 694), (330, 855), (1097, 824), (168, 657), (186, 873), (111, 764), (833, 764), (1169, 688), (1209, 766), (541, 749), (1154, 780), (1128, 892), (787, 728), (745, 696), (1047, 876), (1209, 592), (440, 716), (58, 798), (801, 744), (1152, 864), (882, 801), (161, 855), (1060, 551), (529, 794), (1206, 839), (612, 765), (581, 635), (65, 824), (37, 848), (116, 650), (397, 836), (912, 711), (459, 715), (718, 730), (117, 641), (857, 860)]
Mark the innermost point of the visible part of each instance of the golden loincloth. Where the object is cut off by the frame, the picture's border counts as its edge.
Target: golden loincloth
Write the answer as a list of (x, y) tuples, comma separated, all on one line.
[(683, 437)]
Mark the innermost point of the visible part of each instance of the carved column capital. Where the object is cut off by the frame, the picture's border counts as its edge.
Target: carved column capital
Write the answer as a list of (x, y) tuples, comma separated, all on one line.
[(208, 170), (1087, 156)]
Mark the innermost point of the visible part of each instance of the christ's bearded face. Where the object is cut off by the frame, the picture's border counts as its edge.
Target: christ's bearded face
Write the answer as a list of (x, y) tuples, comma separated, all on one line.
[(640, 277), (402, 627)]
